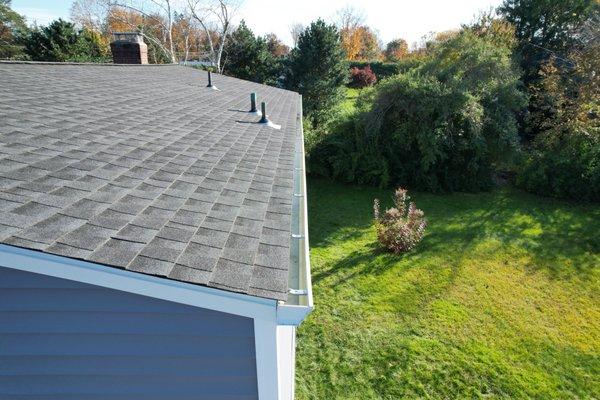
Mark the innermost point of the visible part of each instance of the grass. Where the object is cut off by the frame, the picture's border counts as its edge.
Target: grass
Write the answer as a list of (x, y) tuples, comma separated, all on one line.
[(349, 103), (500, 300)]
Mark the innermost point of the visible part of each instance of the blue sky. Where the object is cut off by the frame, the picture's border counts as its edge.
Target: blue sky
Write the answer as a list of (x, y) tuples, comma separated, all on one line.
[(408, 19), (42, 11)]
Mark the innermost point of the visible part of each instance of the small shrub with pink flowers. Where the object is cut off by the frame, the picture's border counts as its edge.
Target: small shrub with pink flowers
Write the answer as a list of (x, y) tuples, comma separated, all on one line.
[(401, 227)]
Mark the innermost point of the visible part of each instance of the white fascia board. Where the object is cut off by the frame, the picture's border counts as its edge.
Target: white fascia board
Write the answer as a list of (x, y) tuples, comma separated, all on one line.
[(133, 282)]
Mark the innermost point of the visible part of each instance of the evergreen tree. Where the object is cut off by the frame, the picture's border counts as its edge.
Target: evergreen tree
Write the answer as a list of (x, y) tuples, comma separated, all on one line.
[(60, 42), (318, 71), (247, 57)]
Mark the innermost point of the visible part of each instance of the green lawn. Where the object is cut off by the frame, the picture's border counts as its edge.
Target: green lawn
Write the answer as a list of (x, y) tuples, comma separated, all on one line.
[(349, 103), (500, 300)]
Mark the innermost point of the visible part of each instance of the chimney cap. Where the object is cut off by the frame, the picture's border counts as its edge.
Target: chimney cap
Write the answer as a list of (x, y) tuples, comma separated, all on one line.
[(130, 37)]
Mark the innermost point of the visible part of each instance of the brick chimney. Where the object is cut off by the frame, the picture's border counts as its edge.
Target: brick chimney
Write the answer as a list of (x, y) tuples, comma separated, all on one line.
[(129, 48)]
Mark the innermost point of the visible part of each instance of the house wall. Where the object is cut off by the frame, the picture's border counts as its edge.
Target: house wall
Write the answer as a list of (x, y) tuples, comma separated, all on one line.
[(61, 339)]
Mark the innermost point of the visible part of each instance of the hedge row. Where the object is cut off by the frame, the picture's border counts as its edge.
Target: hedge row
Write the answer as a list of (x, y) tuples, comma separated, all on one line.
[(386, 69), (380, 68)]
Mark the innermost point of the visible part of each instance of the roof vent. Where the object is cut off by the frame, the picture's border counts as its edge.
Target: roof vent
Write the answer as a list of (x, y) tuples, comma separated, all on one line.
[(253, 104), (263, 112), (264, 119), (210, 84), (129, 48)]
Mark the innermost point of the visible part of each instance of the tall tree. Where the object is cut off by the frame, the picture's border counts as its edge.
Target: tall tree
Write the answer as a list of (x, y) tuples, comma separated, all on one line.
[(358, 40), (318, 71), (11, 24), (564, 160), (276, 46), (544, 28), (360, 43), (489, 25), (349, 18), (295, 30), (215, 16), (396, 50), (184, 32), (247, 57), (91, 14), (162, 13)]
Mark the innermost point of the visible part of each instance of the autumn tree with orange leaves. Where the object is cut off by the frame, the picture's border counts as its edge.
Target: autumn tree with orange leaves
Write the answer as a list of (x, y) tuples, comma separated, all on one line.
[(358, 40), (360, 43)]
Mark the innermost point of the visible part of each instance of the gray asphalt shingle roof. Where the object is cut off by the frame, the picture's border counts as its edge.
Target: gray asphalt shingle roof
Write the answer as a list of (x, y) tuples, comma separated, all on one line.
[(144, 168)]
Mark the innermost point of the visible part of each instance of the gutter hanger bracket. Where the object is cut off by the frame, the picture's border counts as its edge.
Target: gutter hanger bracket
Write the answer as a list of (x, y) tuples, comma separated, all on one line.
[(298, 292)]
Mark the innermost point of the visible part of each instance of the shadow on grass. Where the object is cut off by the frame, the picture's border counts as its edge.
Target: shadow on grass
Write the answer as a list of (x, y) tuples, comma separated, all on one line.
[(369, 335), (552, 233), (362, 257)]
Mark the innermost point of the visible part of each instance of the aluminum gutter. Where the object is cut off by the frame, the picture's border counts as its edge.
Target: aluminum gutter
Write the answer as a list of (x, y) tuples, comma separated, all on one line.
[(300, 299)]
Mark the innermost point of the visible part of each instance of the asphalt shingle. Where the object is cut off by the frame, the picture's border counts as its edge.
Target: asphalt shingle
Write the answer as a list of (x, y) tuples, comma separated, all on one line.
[(144, 168)]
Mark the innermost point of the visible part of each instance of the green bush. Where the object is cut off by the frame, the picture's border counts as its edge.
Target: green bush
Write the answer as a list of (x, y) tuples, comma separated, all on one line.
[(566, 166), (564, 160), (441, 126), (60, 41)]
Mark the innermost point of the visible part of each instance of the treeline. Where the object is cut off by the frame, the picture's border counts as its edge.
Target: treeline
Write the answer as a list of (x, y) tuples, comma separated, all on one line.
[(174, 32), (513, 95)]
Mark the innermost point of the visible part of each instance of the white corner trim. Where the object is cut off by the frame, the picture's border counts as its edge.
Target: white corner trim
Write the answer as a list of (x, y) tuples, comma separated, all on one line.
[(267, 371), (286, 361), (133, 282), (275, 360)]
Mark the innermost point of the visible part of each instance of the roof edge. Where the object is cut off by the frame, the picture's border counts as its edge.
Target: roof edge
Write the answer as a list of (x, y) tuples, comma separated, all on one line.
[(300, 298), (82, 63), (137, 283)]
